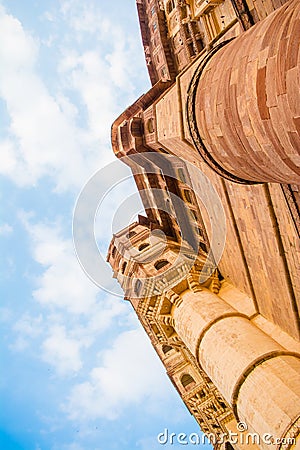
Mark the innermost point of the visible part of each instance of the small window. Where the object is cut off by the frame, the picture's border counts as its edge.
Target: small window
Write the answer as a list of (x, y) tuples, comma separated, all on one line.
[(163, 72), (154, 26), (124, 267), (203, 247), (113, 252), (137, 287), (193, 214), (150, 125), (143, 246), (131, 234), (166, 349), (152, 10), (186, 380), (202, 393), (160, 264), (181, 175), (187, 195), (222, 404), (199, 231)]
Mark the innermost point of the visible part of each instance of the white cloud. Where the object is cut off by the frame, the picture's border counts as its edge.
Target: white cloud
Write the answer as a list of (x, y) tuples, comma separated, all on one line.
[(8, 157), (8, 268), (19, 345), (62, 352), (86, 19), (26, 329), (42, 139), (5, 314), (70, 299), (88, 74), (62, 285), (18, 51), (129, 375), (5, 229), (29, 326), (47, 136)]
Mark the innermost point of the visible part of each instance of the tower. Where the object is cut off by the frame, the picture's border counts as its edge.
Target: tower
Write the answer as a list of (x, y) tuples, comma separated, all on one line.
[(224, 103)]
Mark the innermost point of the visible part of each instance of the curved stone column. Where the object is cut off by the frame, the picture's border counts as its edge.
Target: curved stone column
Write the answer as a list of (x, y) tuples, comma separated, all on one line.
[(275, 406), (241, 359), (246, 103)]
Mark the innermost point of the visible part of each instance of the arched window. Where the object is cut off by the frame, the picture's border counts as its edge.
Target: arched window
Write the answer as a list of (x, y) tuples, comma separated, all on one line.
[(160, 264), (203, 247), (199, 231), (123, 267), (193, 214), (150, 125), (166, 349), (202, 393), (137, 286), (113, 252), (222, 404), (187, 195), (131, 234), (143, 246), (186, 380), (163, 71)]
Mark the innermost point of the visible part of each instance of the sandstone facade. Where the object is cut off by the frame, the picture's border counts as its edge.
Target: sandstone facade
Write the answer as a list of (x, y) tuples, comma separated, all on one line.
[(225, 103)]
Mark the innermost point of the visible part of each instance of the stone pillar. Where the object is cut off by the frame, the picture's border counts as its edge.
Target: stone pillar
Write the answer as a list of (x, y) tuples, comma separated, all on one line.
[(258, 377), (246, 100)]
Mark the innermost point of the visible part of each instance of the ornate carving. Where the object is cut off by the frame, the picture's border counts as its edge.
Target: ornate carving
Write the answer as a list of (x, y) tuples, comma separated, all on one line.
[(174, 298), (170, 278), (193, 282), (215, 284), (210, 413)]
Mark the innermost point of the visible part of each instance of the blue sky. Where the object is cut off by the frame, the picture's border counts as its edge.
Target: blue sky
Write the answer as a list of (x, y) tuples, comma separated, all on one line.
[(77, 371)]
